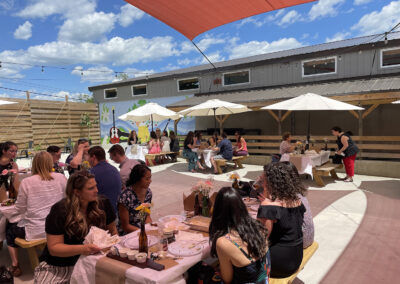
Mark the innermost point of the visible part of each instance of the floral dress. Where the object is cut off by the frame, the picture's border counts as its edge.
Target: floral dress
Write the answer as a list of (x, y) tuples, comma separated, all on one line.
[(130, 201)]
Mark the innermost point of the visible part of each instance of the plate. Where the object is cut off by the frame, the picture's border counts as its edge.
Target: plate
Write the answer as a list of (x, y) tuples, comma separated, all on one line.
[(169, 218), (133, 241), (185, 248)]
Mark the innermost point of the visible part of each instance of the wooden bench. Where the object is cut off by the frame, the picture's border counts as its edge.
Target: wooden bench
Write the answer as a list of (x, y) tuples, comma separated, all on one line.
[(152, 157), (31, 247), (236, 159), (307, 254), (324, 171)]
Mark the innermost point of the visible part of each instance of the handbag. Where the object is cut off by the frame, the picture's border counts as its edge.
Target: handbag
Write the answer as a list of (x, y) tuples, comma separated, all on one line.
[(337, 159)]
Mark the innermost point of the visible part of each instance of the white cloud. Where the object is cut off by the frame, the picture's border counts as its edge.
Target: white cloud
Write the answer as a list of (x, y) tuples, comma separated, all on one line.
[(129, 14), (24, 31), (214, 57), (338, 36), (379, 21), (324, 8), (259, 47), (3, 95), (67, 8), (133, 72), (203, 44), (361, 2), (290, 18), (258, 22), (88, 28), (94, 74)]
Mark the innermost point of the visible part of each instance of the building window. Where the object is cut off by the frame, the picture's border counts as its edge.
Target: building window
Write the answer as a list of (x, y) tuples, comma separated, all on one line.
[(139, 90), (188, 84), (390, 57), (315, 67), (110, 93), (235, 78)]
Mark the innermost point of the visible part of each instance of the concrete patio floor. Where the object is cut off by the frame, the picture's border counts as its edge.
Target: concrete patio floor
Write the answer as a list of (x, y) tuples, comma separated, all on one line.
[(357, 225)]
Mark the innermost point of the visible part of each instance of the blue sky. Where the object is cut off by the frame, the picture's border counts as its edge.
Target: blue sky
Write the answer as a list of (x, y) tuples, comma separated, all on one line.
[(84, 42)]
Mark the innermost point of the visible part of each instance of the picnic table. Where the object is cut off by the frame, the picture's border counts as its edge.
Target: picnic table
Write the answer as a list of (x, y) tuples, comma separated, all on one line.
[(306, 162), (206, 154)]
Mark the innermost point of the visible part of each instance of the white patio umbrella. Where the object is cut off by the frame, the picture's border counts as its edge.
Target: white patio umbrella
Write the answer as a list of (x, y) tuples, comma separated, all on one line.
[(214, 107), (309, 102), (150, 111), (396, 102), (2, 102)]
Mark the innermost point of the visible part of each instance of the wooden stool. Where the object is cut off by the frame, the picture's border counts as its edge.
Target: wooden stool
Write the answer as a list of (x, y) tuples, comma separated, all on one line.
[(31, 247), (307, 254), (325, 170)]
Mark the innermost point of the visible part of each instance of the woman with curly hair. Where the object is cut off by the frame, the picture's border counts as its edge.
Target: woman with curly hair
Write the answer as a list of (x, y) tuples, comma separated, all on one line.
[(68, 223), (282, 214), (239, 241)]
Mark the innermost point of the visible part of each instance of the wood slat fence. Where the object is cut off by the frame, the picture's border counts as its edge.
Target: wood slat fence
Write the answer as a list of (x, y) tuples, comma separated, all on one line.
[(46, 122), (371, 147)]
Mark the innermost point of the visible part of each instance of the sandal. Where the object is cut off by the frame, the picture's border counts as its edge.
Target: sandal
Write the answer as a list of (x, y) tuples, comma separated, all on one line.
[(15, 270), (349, 179)]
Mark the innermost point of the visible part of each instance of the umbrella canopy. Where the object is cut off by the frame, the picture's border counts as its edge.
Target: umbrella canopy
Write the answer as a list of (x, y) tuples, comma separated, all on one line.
[(193, 17), (396, 102), (150, 111), (312, 102), (214, 107), (6, 102)]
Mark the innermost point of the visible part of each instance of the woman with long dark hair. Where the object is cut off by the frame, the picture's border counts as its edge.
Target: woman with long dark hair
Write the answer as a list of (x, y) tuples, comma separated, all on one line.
[(193, 160), (346, 146), (133, 138), (8, 153), (67, 224), (239, 241), (282, 214), (241, 145)]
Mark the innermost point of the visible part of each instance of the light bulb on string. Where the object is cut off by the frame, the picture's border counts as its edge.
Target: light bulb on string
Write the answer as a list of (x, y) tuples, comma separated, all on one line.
[(42, 68)]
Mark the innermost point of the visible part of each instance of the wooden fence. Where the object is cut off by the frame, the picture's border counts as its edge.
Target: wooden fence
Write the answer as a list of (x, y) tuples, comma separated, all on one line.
[(371, 147), (47, 122)]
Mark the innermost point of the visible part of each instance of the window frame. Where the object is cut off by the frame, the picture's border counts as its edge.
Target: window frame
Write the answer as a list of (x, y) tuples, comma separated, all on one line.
[(233, 72), (316, 59), (381, 59), (188, 90), (116, 90), (138, 85)]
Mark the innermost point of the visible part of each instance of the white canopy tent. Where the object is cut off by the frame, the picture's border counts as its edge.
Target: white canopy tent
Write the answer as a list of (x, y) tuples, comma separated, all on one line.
[(2, 102)]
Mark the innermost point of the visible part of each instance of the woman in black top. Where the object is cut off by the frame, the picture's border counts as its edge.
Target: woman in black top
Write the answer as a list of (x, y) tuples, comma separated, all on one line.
[(238, 240), (193, 160), (8, 152), (282, 214), (174, 146), (133, 138), (68, 223), (348, 148)]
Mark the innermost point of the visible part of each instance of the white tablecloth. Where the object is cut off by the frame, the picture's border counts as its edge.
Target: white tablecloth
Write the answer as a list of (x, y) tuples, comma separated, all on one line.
[(136, 152), (7, 213), (305, 162), (85, 269), (206, 153)]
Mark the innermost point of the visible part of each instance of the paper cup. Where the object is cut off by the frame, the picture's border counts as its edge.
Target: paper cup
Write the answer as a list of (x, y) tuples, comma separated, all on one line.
[(141, 257)]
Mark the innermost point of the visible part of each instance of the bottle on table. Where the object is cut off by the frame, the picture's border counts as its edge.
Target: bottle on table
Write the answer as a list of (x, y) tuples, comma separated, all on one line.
[(143, 241)]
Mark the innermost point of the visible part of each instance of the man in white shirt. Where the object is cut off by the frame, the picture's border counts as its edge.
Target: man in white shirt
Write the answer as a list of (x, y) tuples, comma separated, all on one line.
[(117, 154)]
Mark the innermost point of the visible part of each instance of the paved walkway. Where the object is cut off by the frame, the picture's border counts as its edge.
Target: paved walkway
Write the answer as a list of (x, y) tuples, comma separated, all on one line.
[(357, 224)]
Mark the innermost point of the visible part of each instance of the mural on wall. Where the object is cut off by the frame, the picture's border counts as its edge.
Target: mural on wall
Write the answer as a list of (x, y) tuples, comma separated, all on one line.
[(118, 130)]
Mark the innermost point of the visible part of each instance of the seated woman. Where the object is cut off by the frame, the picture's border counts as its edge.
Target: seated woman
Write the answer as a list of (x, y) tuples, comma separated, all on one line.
[(79, 156), (37, 194), (282, 214), (68, 223), (8, 153), (239, 241), (241, 145), (286, 147), (174, 146), (137, 192), (165, 141), (154, 144), (193, 160), (211, 142), (197, 138), (133, 138)]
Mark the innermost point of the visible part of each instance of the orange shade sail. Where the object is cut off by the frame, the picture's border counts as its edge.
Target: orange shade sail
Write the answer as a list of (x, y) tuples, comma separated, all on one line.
[(193, 17)]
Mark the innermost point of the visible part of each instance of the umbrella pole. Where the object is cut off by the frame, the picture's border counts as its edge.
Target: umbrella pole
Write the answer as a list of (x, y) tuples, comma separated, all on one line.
[(152, 123), (308, 127), (215, 121)]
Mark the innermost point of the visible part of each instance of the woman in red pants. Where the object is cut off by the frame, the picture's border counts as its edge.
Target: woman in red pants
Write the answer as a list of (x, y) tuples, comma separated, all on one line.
[(346, 145)]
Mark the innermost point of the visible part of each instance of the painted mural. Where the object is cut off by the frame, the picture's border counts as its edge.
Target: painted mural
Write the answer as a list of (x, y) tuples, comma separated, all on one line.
[(123, 128)]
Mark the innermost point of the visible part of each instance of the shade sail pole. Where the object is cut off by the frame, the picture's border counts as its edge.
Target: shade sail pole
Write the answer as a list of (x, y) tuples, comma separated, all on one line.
[(205, 56)]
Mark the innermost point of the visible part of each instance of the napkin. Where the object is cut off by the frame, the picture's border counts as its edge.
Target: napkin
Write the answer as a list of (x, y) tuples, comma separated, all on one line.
[(100, 238), (187, 236)]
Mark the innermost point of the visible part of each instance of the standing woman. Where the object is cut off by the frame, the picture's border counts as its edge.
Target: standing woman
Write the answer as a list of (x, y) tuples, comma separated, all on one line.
[(348, 148), (79, 155), (137, 192), (282, 214), (68, 223), (241, 145), (133, 138), (239, 241), (192, 157), (37, 194), (8, 153)]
